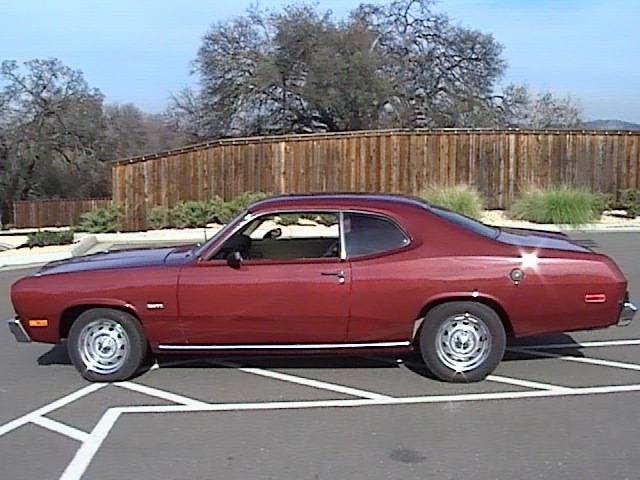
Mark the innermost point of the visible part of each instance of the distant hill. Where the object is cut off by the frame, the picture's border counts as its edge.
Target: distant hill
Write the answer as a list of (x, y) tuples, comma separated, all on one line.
[(610, 125)]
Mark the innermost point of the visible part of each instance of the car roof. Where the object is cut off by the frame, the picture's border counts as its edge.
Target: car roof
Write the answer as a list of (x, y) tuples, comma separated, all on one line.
[(386, 201)]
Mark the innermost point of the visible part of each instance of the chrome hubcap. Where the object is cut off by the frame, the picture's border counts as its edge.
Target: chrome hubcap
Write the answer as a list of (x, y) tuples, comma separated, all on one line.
[(463, 342), (104, 346)]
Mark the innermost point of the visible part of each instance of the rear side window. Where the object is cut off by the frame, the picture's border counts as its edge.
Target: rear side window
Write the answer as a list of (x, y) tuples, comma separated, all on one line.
[(366, 234)]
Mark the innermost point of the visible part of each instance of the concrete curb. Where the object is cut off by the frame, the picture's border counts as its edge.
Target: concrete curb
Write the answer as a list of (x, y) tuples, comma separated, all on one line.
[(85, 244)]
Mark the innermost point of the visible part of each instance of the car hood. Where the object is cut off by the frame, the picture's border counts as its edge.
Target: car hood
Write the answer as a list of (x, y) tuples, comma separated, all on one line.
[(526, 237), (139, 257)]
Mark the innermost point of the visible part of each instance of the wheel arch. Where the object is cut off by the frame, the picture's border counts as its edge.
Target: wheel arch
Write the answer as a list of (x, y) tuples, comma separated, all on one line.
[(72, 312), (484, 299)]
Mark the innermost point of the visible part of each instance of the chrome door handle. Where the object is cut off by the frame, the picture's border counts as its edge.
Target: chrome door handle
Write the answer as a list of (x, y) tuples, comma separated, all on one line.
[(339, 274)]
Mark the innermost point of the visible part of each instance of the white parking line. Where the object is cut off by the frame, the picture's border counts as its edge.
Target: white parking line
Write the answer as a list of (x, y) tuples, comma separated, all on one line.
[(561, 346), (61, 428), (50, 407), (154, 392), (83, 457), (307, 382), (78, 465), (589, 360), (491, 378), (91, 442), (525, 383)]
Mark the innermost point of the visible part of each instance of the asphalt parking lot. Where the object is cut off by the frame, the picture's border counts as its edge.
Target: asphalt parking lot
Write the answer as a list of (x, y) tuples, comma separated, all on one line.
[(561, 407)]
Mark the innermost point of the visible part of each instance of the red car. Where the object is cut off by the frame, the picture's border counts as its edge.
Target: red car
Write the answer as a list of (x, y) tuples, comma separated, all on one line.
[(328, 273)]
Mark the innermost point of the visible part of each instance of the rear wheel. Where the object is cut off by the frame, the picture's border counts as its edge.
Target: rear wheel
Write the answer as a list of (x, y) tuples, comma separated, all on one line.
[(462, 341), (107, 345)]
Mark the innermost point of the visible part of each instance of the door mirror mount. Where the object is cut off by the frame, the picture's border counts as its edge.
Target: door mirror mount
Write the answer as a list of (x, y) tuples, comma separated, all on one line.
[(234, 259)]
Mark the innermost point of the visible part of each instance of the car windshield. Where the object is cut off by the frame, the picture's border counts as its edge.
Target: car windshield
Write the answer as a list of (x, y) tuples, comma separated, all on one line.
[(199, 249), (466, 222)]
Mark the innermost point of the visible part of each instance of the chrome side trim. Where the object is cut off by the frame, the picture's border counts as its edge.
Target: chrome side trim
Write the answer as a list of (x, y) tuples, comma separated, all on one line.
[(304, 346)]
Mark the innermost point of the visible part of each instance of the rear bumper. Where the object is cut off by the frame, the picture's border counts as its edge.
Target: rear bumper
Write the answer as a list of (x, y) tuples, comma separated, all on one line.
[(18, 331), (627, 312)]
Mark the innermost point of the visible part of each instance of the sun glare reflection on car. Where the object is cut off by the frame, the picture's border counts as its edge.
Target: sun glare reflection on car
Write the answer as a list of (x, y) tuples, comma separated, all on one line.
[(529, 260)]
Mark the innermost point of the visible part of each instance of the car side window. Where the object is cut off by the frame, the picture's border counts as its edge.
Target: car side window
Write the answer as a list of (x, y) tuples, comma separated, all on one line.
[(366, 234), (287, 236)]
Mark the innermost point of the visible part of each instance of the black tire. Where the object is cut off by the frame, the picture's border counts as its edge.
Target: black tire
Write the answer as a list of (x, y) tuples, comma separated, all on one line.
[(443, 322), (127, 329)]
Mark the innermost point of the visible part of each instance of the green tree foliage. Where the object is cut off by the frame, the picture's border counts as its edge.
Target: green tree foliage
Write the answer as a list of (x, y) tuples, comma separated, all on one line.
[(51, 130), (56, 134), (399, 64)]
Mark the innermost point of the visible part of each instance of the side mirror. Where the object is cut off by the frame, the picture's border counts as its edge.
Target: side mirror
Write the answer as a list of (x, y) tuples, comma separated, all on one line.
[(273, 234), (234, 259)]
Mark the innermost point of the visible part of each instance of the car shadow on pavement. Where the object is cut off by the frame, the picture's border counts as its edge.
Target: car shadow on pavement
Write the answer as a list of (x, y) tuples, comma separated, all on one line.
[(572, 347), (56, 356)]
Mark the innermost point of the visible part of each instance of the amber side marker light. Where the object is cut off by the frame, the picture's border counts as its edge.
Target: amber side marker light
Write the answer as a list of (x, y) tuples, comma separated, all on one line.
[(595, 298), (38, 323)]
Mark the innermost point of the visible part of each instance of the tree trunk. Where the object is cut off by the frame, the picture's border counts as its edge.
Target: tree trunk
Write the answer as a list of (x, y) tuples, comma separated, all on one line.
[(5, 213)]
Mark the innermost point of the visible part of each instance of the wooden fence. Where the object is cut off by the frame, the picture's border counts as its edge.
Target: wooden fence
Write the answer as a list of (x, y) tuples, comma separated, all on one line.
[(53, 213), (500, 163)]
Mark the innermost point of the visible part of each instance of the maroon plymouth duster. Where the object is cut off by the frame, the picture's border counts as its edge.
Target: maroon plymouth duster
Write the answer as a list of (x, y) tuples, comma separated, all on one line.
[(327, 273)]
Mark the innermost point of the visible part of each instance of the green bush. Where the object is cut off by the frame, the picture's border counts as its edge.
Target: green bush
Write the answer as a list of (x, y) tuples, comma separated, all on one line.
[(102, 220), (231, 208), (462, 198), (630, 201), (561, 205), (159, 218), (194, 214), (44, 238)]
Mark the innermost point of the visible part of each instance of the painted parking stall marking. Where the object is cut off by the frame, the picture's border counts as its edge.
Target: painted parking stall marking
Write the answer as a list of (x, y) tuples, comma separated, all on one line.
[(90, 442)]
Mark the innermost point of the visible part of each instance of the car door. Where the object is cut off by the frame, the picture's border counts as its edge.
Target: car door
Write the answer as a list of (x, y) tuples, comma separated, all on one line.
[(268, 301), (384, 289)]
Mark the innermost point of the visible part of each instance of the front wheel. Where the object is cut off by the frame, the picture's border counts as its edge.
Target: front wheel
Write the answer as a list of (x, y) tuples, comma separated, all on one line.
[(107, 345), (462, 341)]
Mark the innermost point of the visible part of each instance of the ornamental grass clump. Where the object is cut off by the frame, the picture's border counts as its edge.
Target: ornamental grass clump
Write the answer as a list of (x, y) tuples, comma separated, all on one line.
[(559, 205), (463, 199)]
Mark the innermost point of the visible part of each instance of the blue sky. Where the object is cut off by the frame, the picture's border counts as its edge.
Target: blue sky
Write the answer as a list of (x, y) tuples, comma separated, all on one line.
[(140, 50)]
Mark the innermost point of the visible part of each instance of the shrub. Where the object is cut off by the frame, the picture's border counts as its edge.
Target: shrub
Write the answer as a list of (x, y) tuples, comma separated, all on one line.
[(463, 199), (102, 220), (630, 201), (231, 208), (194, 214), (159, 218), (288, 219), (562, 205), (44, 238)]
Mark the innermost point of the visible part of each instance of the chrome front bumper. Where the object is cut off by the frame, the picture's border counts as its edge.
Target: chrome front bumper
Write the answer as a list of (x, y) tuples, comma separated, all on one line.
[(18, 331), (626, 314)]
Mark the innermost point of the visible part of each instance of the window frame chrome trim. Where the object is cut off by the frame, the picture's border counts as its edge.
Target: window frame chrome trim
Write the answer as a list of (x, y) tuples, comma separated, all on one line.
[(250, 216), (391, 220)]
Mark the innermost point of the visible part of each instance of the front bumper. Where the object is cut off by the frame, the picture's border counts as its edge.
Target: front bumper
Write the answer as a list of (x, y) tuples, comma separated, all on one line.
[(18, 331), (626, 314)]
